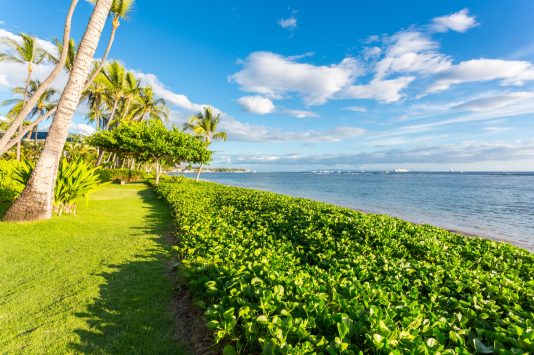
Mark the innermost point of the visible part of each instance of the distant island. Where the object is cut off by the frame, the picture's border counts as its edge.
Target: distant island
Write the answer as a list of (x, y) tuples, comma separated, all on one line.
[(212, 170)]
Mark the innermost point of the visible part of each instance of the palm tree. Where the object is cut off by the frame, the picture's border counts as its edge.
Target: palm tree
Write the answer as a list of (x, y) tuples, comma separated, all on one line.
[(119, 10), (204, 125), (35, 201), (25, 52), (113, 78), (44, 104), (95, 97), (131, 91), (8, 134), (71, 54), (148, 107)]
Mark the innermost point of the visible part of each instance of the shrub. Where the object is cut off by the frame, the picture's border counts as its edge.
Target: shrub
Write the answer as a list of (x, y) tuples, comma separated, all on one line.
[(75, 181), (284, 275), (123, 175), (9, 188)]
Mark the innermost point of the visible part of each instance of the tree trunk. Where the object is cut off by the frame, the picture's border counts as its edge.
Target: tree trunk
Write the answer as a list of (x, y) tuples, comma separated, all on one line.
[(44, 85), (99, 159), (158, 172), (25, 130), (198, 172), (36, 131), (112, 115), (36, 200), (19, 143)]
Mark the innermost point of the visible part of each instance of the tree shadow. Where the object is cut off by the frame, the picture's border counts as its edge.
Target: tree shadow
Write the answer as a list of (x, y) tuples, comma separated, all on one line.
[(134, 311)]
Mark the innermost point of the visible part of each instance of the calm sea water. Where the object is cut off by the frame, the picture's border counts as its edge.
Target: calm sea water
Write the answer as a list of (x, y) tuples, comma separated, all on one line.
[(493, 205)]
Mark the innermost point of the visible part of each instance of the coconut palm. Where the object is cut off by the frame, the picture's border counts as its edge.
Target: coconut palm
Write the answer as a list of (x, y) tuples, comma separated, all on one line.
[(131, 92), (113, 79), (204, 125), (44, 104), (35, 201), (6, 140), (71, 54), (119, 10), (25, 52), (148, 107)]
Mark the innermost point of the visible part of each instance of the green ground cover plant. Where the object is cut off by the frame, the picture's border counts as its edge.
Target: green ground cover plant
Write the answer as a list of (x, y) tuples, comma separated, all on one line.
[(277, 274)]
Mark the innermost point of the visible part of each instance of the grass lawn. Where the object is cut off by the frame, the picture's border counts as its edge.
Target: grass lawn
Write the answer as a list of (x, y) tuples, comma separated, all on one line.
[(94, 283)]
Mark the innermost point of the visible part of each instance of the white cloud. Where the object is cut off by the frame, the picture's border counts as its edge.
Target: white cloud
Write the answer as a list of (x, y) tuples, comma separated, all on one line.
[(240, 131), (411, 52), (493, 102), (371, 52), (274, 76), (170, 97), (387, 91), (356, 109), (510, 72), (301, 113), (256, 104), (81, 128), (466, 152), (288, 23), (14, 74), (2, 118), (459, 22)]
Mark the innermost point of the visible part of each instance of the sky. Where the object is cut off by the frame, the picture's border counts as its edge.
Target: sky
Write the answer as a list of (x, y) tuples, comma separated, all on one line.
[(304, 85)]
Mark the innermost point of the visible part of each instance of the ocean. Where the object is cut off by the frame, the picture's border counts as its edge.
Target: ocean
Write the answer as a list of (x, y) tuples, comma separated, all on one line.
[(498, 206)]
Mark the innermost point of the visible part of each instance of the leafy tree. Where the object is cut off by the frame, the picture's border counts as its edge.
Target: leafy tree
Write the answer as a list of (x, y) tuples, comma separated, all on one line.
[(152, 142), (204, 126)]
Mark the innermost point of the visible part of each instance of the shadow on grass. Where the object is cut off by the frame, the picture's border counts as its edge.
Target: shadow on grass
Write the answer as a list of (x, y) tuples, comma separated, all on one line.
[(133, 312)]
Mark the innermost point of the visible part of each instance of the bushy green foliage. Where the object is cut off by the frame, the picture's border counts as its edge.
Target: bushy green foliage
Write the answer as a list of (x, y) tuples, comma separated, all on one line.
[(75, 180), (9, 187), (123, 175), (285, 275)]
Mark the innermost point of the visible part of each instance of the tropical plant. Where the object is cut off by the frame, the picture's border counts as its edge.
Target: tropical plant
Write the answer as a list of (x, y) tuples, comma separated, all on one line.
[(44, 104), (35, 202), (26, 52), (76, 179), (204, 126), (6, 141), (148, 107), (282, 275), (71, 54), (10, 188)]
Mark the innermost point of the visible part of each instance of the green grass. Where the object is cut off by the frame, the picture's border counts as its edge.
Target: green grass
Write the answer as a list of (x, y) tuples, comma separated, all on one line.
[(92, 283)]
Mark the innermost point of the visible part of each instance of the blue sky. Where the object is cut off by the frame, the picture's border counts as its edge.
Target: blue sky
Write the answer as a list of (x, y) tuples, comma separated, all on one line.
[(340, 84)]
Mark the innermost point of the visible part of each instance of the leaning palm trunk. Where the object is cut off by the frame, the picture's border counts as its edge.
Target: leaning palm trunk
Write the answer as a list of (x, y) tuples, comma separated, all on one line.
[(44, 85), (35, 123), (36, 199)]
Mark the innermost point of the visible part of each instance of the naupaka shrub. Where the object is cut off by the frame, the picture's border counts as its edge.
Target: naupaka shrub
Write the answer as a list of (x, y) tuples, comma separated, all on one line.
[(277, 274)]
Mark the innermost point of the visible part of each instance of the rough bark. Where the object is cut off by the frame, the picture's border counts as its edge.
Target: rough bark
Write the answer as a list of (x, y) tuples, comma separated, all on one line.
[(36, 200), (45, 84)]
